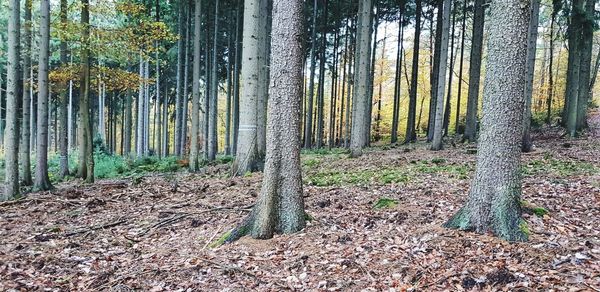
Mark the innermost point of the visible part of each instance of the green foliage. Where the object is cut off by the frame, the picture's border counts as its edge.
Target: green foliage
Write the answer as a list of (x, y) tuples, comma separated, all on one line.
[(524, 227), (311, 162), (221, 240), (385, 203), (533, 209), (460, 171), (360, 177), (325, 151), (558, 167), (225, 159)]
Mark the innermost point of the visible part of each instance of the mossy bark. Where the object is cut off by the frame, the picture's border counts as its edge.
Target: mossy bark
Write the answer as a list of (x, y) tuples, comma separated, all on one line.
[(494, 198)]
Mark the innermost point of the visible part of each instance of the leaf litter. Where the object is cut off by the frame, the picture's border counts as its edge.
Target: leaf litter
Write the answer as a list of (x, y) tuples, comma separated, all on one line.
[(155, 235)]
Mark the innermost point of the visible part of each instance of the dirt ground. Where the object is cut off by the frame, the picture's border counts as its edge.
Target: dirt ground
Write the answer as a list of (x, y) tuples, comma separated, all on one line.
[(154, 234)]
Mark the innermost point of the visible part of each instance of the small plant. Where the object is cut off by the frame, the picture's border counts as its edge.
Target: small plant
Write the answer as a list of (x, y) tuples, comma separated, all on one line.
[(385, 203), (438, 161)]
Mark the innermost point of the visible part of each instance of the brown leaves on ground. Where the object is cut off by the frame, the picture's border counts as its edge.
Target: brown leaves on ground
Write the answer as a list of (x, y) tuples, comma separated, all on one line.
[(153, 237)]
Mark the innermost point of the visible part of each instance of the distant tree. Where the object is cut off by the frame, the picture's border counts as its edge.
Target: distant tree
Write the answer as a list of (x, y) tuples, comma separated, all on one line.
[(194, 143), (494, 198), (411, 134), (25, 157), (86, 154), (526, 143), (475, 72), (438, 125)]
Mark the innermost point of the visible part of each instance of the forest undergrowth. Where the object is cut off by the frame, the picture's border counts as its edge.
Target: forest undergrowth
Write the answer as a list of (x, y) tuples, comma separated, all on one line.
[(376, 223)]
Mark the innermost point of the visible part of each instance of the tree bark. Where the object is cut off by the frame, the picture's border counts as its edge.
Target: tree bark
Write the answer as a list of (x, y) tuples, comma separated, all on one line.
[(460, 72), (194, 143), (321, 87), (86, 156), (574, 35), (280, 206), (360, 100), (42, 181), (585, 91), (438, 126), (25, 146), (494, 198), (212, 108), (526, 143), (411, 135), (397, 81), (63, 103), (179, 85), (311, 85), (435, 72), (474, 72), (11, 136)]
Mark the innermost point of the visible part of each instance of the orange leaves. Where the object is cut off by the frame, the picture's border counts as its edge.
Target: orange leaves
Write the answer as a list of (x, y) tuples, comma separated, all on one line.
[(115, 79)]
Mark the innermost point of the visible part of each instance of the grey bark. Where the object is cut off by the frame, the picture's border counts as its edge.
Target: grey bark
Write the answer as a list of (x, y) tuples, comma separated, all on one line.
[(573, 71), (62, 103), (236, 82), (411, 135), (86, 156), (460, 71), (435, 71), (212, 107), (42, 181), (25, 146), (194, 143), (438, 130), (493, 204), (311, 80), (280, 206), (11, 132), (526, 143), (474, 72), (360, 100), (585, 91), (179, 85), (397, 82)]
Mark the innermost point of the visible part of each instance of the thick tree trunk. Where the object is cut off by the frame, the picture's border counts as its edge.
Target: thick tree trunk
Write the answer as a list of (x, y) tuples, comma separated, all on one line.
[(474, 72), (86, 156), (585, 91), (42, 181), (360, 100), (62, 103), (25, 146), (11, 136), (247, 155), (438, 126), (411, 135), (311, 85), (280, 206), (526, 143), (494, 198)]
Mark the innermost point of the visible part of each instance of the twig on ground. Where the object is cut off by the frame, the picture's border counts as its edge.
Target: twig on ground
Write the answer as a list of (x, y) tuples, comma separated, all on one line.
[(97, 227)]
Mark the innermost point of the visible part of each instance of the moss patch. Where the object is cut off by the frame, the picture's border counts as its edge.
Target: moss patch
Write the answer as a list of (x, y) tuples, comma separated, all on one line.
[(385, 203)]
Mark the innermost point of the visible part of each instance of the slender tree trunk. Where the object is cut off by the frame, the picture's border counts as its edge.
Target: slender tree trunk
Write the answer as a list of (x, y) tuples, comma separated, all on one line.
[(474, 72), (438, 129), (351, 61), (128, 125), (321, 87), (236, 79), (494, 198), (380, 85), (86, 155), (311, 85), (139, 143), (11, 136), (574, 35), (526, 143), (460, 71), (42, 181), (63, 103), (373, 30), (280, 206), (448, 104), (397, 81), (25, 146), (435, 71), (212, 108), (263, 84), (411, 135), (550, 73), (229, 89), (180, 72), (345, 81), (334, 86)]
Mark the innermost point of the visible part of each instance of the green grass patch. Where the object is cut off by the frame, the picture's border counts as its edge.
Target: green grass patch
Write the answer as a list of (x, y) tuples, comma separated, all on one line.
[(557, 167), (439, 165), (360, 177), (385, 203)]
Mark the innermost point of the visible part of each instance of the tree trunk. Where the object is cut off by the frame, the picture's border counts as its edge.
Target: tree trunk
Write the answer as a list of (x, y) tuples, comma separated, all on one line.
[(474, 72), (574, 68), (494, 198), (180, 72), (247, 156), (263, 77), (411, 135), (139, 143), (550, 73), (448, 104), (25, 146), (86, 156), (280, 206), (11, 136), (351, 60), (460, 71), (360, 100), (397, 81), (438, 126), (435, 71), (311, 85), (212, 107), (585, 91), (62, 103), (321, 88), (230, 58), (42, 181), (344, 81), (526, 143), (236, 80)]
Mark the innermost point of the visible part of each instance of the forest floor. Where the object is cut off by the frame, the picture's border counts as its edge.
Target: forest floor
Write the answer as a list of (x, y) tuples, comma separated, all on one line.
[(377, 225)]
